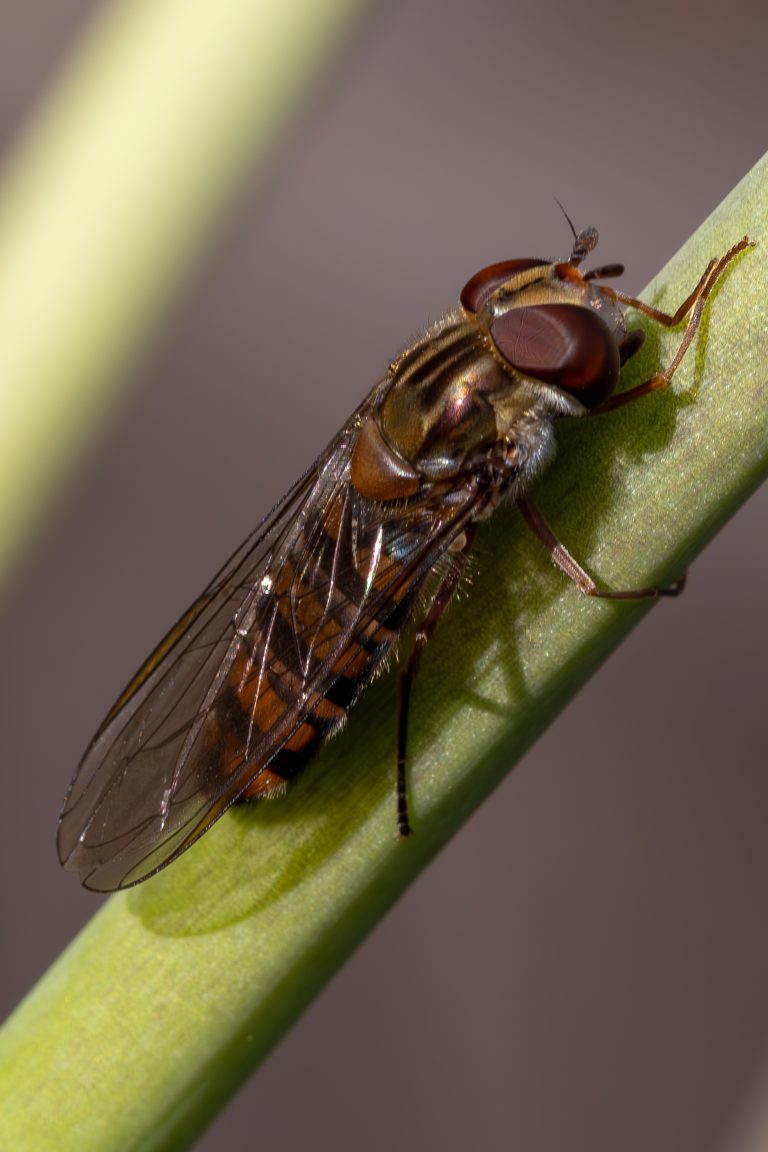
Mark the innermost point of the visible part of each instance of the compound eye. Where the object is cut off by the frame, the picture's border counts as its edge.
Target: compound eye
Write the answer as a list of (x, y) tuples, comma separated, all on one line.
[(567, 345), (484, 283)]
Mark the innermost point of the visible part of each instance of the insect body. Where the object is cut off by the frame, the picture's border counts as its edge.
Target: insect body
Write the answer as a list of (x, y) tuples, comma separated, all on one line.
[(277, 649)]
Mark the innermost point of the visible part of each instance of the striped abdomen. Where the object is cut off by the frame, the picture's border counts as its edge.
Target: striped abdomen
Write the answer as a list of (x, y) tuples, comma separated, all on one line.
[(336, 607)]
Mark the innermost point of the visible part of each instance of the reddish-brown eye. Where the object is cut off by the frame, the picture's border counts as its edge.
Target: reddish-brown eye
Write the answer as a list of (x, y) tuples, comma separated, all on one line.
[(485, 282), (562, 344)]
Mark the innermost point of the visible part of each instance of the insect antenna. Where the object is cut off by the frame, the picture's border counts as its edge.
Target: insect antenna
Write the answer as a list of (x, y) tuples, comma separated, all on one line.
[(583, 242)]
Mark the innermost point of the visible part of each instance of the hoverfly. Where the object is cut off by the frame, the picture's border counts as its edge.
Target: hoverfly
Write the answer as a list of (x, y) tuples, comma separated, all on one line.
[(278, 648)]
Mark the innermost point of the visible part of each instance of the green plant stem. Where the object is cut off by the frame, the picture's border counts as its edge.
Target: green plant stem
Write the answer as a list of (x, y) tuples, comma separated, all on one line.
[(176, 990), (112, 193)]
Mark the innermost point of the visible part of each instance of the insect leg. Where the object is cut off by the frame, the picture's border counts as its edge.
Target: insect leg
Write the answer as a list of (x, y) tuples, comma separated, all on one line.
[(440, 602), (692, 306), (573, 570)]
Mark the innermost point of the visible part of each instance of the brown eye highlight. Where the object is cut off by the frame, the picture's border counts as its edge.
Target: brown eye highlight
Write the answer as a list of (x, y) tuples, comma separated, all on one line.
[(567, 345)]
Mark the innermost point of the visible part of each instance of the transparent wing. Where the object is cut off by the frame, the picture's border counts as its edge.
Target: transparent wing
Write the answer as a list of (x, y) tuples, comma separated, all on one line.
[(265, 662)]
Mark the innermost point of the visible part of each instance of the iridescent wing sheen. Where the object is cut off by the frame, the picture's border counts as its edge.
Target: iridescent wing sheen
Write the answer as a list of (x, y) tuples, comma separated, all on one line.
[(266, 662)]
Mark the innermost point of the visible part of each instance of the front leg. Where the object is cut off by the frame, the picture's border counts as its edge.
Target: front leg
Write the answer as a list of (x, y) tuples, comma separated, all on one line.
[(692, 307)]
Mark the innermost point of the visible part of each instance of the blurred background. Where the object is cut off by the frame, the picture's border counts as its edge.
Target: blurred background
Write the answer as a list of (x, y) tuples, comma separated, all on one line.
[(584, 966)]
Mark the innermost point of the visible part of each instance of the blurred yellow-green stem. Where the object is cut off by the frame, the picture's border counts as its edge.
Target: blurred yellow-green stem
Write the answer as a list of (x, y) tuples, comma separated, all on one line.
[(176, 990), (112, 192)]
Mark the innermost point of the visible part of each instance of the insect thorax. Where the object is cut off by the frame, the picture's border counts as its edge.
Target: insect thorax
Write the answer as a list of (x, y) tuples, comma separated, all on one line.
[(453, 407)]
